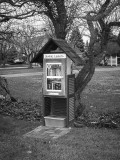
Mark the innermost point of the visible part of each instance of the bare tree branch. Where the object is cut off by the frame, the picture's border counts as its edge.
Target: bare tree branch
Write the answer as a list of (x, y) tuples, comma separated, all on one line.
[(14, 4), (19, 16), (104, 11), (104, 6), (19, 9)]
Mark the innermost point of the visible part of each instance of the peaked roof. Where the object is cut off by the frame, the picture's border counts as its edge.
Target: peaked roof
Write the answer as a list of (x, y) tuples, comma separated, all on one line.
[(53, 44)]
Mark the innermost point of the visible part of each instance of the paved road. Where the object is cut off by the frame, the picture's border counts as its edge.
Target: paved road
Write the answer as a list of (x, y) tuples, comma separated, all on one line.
[(40, 73)]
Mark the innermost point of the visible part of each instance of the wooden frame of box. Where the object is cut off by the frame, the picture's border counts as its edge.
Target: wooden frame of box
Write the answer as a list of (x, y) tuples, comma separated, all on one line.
[(61, 106)]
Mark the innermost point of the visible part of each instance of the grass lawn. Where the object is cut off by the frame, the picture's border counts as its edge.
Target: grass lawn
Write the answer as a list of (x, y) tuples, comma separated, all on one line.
[(26, 88), (101, 95), (80, 144), (103, 92)]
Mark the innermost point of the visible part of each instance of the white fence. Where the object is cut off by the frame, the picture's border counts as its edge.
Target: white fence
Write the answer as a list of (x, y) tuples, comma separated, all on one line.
[(113, 61)]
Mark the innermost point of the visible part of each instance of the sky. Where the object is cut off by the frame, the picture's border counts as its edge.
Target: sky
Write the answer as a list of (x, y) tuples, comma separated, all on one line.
[(85, 39)]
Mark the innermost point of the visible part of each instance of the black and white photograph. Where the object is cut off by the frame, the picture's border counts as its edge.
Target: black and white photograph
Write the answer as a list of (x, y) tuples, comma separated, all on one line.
[(59, 79)]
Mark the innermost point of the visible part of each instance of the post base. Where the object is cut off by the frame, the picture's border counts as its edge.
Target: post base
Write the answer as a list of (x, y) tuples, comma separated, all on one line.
[(53, 121)]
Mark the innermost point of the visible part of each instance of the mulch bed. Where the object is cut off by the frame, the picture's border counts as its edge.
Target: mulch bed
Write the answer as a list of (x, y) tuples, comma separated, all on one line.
[(26, 110), (31, 111), (104, 120)]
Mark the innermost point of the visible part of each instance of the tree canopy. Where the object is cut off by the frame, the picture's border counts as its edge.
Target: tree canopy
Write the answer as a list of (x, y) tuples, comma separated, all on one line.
[(76, 40), (12, 9)]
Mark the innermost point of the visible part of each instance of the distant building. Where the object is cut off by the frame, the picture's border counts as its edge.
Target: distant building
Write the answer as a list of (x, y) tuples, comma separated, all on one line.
[(113, 54), (114, 60)]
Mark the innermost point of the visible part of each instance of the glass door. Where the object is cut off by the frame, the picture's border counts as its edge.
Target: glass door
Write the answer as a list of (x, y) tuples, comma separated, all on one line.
[(54, 77)]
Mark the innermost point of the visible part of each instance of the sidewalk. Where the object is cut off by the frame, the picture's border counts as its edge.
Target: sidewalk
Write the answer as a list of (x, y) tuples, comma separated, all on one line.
[(99, 69), (22, 74), (47, 132), (7, 68), (107, 69), (16, 67)]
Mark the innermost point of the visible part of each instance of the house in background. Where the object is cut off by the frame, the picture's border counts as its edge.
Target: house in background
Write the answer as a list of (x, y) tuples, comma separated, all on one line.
[(113, 54), (114, 60)]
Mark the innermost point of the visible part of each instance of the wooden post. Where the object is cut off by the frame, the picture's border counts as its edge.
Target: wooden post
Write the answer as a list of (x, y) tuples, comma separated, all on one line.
[(116, 61), (111, 60)]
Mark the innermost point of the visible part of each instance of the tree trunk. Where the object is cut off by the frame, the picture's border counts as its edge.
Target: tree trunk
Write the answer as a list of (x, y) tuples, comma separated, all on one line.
[(4, 90), (83, 78), (60, 21), (28, 61), (29, 65), (3, 60), (60, 31), (3, 64), (81, 81)]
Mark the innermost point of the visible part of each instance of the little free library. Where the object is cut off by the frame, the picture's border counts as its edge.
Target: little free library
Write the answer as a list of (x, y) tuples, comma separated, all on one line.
[(57, 57)]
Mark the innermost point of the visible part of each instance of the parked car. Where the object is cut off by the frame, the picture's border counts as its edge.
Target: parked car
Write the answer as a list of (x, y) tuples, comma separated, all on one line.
[(18, 61), (10, 62)]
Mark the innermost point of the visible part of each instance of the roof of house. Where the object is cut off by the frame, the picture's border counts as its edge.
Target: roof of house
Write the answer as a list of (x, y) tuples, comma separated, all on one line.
[(112, 48), (53, 44)]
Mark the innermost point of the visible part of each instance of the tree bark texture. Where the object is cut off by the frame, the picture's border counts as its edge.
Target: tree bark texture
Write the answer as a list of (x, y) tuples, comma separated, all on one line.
[(4, 90), (28, 61)]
